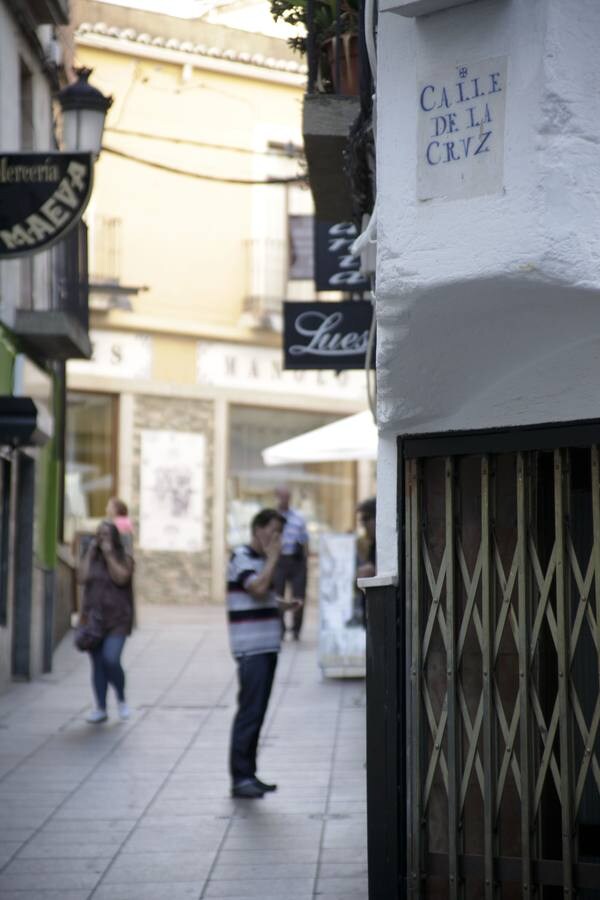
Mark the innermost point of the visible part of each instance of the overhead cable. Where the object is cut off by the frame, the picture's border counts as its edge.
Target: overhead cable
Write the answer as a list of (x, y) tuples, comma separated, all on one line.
[(289, 150), (294, 179)]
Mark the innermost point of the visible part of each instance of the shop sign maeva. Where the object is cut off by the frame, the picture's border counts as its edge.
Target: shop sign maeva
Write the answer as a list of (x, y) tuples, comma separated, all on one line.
[(460, 132), (42, 196)]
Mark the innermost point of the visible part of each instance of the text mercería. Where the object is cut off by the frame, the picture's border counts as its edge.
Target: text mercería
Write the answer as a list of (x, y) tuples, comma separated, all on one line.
[(324, 339), (54, 214), (442, 99)]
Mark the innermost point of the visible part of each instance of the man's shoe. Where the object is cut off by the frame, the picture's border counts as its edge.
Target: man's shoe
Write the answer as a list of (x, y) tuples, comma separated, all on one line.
[(265, 787), (248, 790), (95, 716)]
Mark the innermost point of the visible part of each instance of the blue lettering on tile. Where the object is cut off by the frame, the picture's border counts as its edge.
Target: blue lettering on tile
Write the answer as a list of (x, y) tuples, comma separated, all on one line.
[(451, 134)]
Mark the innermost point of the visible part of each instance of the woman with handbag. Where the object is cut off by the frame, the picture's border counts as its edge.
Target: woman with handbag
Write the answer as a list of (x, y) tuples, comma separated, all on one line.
[(107, 615)]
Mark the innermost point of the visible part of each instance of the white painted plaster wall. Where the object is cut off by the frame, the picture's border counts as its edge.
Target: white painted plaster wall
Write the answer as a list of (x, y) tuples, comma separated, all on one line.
[(488, 307)]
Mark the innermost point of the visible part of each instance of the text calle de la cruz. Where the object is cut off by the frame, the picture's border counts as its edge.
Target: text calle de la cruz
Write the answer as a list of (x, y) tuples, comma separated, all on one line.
[(461, 117)]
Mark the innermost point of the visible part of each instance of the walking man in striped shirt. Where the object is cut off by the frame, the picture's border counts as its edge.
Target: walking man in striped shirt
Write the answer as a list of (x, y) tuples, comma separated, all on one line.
[(255, 639)]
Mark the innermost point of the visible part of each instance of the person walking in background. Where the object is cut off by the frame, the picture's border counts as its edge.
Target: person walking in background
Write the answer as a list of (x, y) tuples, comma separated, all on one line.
[(118, 513), (106, 572), (293, 563), (255, 640), (365, 559), (367, 555)]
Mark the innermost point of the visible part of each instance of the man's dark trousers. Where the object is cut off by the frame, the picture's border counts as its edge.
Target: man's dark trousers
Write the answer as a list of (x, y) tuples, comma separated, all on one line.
[(255, 677)]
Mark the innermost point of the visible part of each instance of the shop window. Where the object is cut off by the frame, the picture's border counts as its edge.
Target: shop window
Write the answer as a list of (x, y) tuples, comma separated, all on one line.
[(90, 459), (324, 493)]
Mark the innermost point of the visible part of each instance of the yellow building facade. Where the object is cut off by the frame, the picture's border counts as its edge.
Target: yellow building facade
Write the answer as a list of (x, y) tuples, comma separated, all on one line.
[(199, 227)]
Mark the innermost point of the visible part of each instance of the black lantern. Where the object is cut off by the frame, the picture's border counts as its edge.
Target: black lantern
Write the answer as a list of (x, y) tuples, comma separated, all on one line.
[(84, 109)]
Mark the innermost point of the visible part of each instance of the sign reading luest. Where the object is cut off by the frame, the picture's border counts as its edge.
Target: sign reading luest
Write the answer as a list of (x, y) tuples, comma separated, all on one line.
[(460, 143), (319, 335), (42, 196)]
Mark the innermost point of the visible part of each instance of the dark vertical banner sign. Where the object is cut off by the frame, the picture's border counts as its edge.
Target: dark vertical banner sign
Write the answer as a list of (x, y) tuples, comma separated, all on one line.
[(42, 196), (335, 267), (319, 335)]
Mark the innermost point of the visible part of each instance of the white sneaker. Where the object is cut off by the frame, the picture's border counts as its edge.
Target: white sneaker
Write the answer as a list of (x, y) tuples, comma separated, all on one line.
[(124, 711), (96, 715)]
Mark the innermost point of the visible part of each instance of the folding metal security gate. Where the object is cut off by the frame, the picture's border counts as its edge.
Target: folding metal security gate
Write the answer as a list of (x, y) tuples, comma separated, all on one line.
[(502, 718)]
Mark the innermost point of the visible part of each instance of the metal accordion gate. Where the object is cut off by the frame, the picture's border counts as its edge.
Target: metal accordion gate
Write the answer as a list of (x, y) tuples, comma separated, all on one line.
[(502, 568)]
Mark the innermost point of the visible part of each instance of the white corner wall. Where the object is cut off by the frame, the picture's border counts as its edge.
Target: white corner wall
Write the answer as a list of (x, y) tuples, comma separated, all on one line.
[(488, 270)]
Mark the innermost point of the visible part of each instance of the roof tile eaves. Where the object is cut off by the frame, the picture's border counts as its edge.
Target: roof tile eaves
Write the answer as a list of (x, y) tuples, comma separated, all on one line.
[(129, 34)]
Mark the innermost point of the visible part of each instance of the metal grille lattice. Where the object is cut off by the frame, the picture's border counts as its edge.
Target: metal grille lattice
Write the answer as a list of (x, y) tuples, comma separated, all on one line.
[(503, 572)]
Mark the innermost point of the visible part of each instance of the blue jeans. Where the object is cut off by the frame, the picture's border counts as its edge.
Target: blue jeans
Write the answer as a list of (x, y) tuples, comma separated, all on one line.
[(107, 669), (255, 676)]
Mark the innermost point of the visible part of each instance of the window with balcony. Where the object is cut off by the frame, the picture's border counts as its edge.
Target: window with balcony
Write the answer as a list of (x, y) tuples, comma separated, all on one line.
[(266, 282), (106, 250)]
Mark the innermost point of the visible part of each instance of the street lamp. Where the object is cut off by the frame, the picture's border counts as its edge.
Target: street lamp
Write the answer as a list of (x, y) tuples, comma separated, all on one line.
[(84, 109)]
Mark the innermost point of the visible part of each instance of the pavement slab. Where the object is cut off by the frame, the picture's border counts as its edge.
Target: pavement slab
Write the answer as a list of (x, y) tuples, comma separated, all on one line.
[(142, 810)]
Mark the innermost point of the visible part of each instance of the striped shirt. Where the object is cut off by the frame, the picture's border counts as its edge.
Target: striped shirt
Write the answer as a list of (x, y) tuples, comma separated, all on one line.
[(254, 625), (294, 532)]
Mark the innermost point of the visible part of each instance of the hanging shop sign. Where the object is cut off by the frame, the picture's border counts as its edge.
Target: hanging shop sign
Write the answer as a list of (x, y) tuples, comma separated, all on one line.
[(335, 267), (42, 196), (327, 335)]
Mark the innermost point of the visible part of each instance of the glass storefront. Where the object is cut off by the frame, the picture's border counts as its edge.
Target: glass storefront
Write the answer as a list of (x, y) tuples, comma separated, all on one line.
[(90, 459), (325, 493)]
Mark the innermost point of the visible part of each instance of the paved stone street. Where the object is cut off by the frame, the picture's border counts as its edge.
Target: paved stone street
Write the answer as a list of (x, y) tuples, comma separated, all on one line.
[(141, 810)]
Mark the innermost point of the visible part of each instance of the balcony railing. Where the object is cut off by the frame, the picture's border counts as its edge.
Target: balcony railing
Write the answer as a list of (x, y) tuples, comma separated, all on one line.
[(267, 266), (70, 294), (106, 243), (61, 331)]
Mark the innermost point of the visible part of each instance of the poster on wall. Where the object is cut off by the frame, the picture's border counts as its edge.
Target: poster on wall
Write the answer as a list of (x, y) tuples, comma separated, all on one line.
[(342, 643), (172, 491)]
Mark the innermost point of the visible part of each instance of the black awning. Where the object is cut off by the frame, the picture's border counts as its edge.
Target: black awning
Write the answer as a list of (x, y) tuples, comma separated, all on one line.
[(18, 422)]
